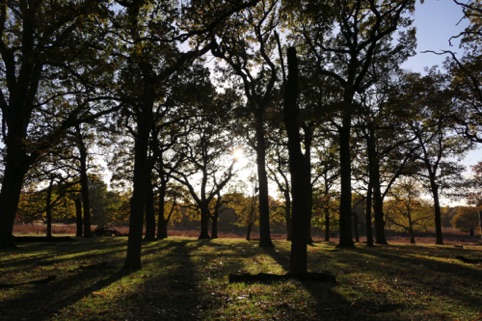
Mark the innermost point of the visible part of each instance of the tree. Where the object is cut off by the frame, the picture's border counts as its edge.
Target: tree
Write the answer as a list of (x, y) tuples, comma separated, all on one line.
[(151, 33), (45, 47), (466, 72), (251, 58), (467, 219), (346, 39), (406, 209), (206, 167), (430, 100)]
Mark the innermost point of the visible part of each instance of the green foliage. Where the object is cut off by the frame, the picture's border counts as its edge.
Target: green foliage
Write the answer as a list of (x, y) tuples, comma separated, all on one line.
[(406, 211)]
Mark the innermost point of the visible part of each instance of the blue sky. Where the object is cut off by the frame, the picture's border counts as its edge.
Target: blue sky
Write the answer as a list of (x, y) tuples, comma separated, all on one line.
[(436, 21)]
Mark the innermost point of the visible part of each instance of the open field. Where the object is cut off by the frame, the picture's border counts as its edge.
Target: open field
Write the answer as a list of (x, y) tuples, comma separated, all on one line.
[(187, 279)]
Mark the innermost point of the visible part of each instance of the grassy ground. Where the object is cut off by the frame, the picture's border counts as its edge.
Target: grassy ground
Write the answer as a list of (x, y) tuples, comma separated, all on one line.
[(187, 279)]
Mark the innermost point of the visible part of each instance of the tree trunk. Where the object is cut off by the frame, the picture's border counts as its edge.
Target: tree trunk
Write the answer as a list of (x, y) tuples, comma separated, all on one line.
[(48, 208), (299, 191), (78, 217), (150, 216), (141, 173), (346, 236), (368, 215), (308, 139), (374, 177), (204, 223), (214, 226), (289, 223), (480, 223), (248, 232), (84, 182), (327, 223), (410, 229), (437, 212), (355, 227), (264, 228), (161, 220), (14, 173)]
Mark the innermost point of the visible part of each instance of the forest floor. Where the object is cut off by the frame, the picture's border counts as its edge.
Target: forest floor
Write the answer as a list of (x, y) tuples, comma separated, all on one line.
[(188, 279)]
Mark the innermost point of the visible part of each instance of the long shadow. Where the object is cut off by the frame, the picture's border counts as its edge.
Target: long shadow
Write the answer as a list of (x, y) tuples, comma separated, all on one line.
[(329, 304)]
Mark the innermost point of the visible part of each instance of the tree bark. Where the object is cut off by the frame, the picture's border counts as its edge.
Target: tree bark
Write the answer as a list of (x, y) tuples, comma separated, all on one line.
[(480, 223), (16, 167), (264, 224), (84, 182), (374, 177), (355, 227), (307, 142), (161, 220), (368, 214), (150, 216), (204, 223), (289, 223), (78, 217), (141, 172), (48, 208), (327, 223), (299, 191), (346, 236), (214, 226), (437, 212)]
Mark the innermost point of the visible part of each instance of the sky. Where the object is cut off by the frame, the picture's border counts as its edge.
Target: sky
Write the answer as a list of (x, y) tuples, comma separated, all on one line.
[(436, 21)]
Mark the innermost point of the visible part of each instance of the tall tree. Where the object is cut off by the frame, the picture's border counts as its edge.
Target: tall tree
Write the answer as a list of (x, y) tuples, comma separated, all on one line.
[(251, 58), (299, 177), (41, 46), (439, 147), (206, 167), (346, 39)]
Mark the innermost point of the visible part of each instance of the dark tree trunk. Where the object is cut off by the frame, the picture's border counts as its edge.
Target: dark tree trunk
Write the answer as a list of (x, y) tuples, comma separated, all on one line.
[(410, 229), (248, 231), (346, 236), (308, 139), (78, 217), (84, 182), (480, 223), (264, 228), (327, 224), (48, 208), (14, 173), (299, 191), (289, 223), (214, 226), (150, 216), (437, 212), (355, 227), (204, 223), (141, 173), (374, 177), (368, 215), (161, 220)]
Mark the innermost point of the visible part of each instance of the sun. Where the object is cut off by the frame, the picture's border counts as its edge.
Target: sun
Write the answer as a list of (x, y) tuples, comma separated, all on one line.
[(238, 154)]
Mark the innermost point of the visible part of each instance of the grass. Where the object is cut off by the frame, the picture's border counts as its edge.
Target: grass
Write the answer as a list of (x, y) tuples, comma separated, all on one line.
[(187, 279)]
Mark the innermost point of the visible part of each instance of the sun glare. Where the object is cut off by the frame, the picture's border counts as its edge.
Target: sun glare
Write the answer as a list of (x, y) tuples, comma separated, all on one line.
[(238, 154)]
